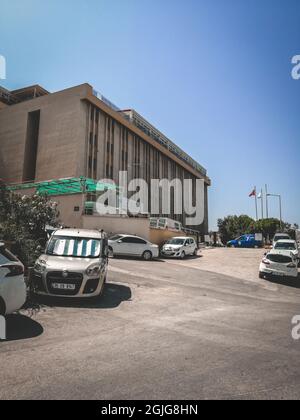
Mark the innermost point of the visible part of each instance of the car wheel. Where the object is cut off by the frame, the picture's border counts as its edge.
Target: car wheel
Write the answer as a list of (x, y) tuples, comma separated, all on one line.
[(147, 255), (182, 255), (110, 252), (261, 275), (102, 290), (195, 252)]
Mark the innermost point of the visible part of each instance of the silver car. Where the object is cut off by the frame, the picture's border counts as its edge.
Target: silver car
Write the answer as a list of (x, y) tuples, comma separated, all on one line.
[(74, 264)]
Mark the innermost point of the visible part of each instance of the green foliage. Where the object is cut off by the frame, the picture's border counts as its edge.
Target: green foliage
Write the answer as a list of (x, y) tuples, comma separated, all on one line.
[(23, 220), (232, 227)]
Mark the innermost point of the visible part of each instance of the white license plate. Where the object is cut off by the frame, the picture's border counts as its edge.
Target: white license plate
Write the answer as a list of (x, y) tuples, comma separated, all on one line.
[(63, 286), (278, 274)]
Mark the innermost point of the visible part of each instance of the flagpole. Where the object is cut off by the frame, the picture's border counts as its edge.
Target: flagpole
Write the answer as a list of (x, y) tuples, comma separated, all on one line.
[(262, 204), (256, 208), (267, 204)]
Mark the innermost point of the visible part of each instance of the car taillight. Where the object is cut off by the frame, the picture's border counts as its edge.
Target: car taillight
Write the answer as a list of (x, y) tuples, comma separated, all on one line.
[(266, 261), (14, 270), (291, 265)]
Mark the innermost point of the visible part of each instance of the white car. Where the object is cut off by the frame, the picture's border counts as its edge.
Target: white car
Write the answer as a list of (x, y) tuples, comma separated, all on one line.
[(279, 263), (12, 283), (179, 247), (288, 246), (133, 246), (280, 236)]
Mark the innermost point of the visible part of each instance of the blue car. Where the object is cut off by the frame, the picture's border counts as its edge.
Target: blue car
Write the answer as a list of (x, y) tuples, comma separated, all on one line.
[(245, 241)]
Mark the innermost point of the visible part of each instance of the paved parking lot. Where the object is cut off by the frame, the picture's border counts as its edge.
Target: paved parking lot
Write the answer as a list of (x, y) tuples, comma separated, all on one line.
[(205, 327)]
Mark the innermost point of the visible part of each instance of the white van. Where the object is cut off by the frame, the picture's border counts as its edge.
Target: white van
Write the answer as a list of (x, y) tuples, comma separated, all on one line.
[(74, 264)]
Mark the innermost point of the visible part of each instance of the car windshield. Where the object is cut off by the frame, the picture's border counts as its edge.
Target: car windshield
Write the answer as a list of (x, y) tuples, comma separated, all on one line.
[(6, 256), (115, 237), (176, 241), (285, 246), (74, 247)]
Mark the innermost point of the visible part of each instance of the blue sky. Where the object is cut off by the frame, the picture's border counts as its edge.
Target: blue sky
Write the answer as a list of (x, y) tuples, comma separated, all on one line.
[(213, 75)]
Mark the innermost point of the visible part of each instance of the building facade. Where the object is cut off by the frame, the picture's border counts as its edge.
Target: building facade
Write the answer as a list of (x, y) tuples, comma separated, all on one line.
[(79, 133)]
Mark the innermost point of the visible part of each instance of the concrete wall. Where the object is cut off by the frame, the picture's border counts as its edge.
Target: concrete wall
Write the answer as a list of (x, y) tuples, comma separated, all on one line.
[(61, 142), (132, 226)]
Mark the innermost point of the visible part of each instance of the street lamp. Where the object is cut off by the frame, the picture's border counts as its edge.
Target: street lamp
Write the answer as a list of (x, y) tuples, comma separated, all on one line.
[(280, 205)]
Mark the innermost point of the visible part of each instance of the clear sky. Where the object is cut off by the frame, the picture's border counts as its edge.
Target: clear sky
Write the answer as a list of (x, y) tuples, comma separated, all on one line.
[(213, 75)]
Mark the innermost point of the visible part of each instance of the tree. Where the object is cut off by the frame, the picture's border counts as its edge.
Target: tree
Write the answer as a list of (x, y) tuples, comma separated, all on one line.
[(23, 220), (232, 227)]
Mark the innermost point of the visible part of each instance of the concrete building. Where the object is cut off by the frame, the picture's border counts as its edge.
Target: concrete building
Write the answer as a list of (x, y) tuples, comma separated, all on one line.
[(79, 133)]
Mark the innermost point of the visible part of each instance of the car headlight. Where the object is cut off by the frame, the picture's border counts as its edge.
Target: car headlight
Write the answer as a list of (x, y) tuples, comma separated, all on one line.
[(93, 270), (40, 266)]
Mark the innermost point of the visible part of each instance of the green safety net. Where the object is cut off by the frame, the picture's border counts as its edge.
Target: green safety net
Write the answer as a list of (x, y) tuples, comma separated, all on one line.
[(64, 186)]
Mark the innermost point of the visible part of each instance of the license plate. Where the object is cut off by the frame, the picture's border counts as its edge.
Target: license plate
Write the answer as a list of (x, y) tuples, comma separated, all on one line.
[(277, 274), (63, 286)]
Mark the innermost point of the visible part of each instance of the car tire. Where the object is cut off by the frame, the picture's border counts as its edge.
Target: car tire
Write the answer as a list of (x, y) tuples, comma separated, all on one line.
[(147, 256), (261, 275), (110, 252), (99, 296), (182, 255), (195, 252)]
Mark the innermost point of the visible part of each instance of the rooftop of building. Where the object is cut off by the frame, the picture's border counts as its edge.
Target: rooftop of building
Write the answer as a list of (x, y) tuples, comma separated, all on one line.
[(32, 92)]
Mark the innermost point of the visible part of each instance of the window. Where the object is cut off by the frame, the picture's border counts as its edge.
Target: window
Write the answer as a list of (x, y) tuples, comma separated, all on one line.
[(6, 256), (133, 240), (278, 258), (74, 247)]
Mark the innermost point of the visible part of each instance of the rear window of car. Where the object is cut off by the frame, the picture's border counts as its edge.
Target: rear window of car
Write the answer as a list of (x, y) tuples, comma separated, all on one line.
[(289, 246), (6, 256), (282, 259), (280, 237)]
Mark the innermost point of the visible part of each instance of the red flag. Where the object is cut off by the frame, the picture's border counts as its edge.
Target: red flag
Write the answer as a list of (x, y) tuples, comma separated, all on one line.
[(253, 194)]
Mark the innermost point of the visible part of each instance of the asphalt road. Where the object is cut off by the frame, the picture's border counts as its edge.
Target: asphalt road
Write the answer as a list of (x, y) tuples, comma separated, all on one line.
[(163, 330)]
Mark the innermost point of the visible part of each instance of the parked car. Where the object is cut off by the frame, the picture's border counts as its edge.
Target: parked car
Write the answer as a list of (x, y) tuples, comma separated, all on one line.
[(12, 283), (179, 247), (288, 246), (279, 263), (133, 246), (74, 264), (279, 237), (245, 241)]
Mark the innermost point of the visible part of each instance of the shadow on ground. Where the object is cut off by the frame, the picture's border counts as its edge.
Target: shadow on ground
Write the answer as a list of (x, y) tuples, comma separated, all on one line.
[(21, 327), (113, 295), (283, 281), (128, 257)]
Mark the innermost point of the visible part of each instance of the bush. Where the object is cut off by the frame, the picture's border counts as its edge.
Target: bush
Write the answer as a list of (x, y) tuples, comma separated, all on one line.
[(23, 220)]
